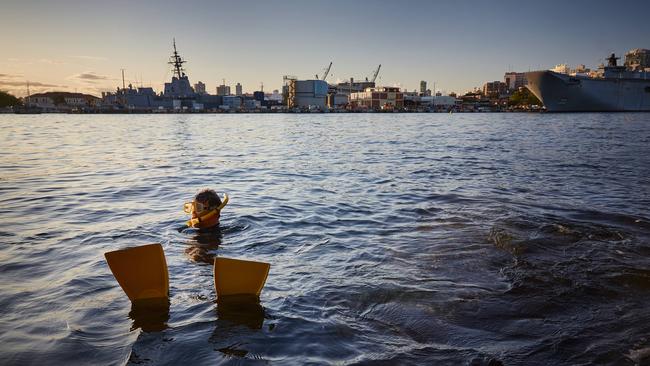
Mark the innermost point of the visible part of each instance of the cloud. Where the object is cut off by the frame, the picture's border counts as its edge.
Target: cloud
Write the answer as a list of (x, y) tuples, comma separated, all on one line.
[(52, 62), (89, 77), (31, 83)]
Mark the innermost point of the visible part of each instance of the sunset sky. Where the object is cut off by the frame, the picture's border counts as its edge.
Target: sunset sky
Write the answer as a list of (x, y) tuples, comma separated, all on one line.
[(83, 45)]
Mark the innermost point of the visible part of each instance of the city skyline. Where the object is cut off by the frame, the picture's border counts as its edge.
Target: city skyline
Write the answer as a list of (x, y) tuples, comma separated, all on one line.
[(82, 46)]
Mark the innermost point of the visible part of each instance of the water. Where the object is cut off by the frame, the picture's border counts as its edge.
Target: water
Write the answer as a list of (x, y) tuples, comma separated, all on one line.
[(394, 238)]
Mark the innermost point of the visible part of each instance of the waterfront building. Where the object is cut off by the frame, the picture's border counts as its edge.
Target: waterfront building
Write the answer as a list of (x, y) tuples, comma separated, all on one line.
[(561, 69), (275, 96), (238, 90), (61, 101), (199, 88), (495, 88), (41, 100), (378, 98), (336, 100), (353, 86), (259, 96), (515, 80), (231, 102), (307, 94), (441, 101), (223, 89), (251, 104)]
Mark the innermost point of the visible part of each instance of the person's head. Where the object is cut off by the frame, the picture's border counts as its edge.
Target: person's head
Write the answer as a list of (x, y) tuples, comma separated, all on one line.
[(206, 209)]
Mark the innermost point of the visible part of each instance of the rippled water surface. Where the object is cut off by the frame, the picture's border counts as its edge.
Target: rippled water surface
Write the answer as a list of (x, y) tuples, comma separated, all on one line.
[(393, 238)]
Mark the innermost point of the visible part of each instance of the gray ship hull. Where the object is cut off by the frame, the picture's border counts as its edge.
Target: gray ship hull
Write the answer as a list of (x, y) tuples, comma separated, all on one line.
[(565, 93)]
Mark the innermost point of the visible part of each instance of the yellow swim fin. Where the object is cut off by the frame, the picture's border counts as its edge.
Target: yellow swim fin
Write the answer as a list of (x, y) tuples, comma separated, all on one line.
[(142, 273), (239, 277)]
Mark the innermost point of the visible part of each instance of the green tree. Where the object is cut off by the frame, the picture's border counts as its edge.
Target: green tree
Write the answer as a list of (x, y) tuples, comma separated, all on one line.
[(8, 100), (523, 97)]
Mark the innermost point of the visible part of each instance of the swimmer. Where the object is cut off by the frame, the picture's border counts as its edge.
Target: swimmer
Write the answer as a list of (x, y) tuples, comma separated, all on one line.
[(205, 209), (142, 271)]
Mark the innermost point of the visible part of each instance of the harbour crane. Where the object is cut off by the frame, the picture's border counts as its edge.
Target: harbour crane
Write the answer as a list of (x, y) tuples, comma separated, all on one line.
[(374, 75), (327, 71)]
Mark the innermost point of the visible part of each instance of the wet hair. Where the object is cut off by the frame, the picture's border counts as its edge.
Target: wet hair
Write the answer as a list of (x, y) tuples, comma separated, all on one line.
[(208, 196)]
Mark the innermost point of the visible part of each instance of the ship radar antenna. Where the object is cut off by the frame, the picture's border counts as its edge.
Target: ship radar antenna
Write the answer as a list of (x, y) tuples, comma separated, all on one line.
[(177, 62)]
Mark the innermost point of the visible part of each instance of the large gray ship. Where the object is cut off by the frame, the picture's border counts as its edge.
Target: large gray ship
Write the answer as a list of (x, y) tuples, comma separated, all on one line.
[(612, 88)]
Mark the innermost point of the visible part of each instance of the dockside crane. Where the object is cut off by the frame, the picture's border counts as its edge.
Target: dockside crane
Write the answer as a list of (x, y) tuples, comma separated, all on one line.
[(375, 74), (327, 71)]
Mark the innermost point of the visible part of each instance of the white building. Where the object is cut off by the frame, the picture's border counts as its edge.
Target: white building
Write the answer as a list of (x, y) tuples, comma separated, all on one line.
[(238, 90), (75, 101), (562, 69), (40, 101), (439, 100), (515, 80)]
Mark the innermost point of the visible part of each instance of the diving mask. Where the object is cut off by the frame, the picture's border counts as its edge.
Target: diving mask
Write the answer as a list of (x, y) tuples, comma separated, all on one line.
[(202, 211)]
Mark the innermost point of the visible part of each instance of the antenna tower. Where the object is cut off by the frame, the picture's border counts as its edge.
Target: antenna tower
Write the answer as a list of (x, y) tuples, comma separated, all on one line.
[(177, 62)]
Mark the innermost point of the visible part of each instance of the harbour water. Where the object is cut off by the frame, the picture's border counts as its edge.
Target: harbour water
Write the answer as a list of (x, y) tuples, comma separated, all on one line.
[(393, 238)]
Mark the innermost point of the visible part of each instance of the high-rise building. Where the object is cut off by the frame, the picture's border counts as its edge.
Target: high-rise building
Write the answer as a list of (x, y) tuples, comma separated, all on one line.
[(223, 89), (199, 88), (515, 80), (423, 87), (238, 90), (494, 88)]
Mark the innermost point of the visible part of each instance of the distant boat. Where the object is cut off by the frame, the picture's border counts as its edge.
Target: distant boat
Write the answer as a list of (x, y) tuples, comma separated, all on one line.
[(614, 89)]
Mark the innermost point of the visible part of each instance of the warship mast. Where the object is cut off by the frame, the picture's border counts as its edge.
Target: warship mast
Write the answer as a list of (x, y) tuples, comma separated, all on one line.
[(177, 62)]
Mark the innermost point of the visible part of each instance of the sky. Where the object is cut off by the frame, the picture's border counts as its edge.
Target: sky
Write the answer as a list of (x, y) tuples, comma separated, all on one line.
[(82, 46)]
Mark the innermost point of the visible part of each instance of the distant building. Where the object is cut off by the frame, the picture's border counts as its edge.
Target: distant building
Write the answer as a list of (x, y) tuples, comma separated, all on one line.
[(353, 86), (440, 101), (515, 80), (275, 96), (335, 100), (259, 96), (238, 90), (495, 88), (223, 90), (378, 98), (231, 102), (423, 87), (53, 101), (638, 59), (40, 101), (307, 94), (562, 69), (199, 88)]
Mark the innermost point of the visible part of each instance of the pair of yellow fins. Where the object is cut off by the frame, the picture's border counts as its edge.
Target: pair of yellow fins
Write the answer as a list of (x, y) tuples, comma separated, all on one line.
[(142, 273)]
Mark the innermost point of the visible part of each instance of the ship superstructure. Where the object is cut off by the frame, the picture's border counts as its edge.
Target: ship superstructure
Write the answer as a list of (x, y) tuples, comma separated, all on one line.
[(611, 88), (180, 86)]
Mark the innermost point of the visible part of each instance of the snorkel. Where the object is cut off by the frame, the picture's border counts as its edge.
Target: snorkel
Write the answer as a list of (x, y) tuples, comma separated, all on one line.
[(207, 217)]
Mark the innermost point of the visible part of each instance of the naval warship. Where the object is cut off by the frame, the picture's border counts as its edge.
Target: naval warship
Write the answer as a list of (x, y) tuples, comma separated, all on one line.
[(612, 89)]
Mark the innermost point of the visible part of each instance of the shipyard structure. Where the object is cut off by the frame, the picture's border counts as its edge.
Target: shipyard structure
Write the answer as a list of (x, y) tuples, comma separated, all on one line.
[(180, 95), (311, 95)]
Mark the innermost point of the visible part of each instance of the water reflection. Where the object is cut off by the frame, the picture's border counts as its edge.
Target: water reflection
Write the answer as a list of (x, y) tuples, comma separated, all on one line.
[(238, 317), (150, 317), (241, 310), (203, 245)]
